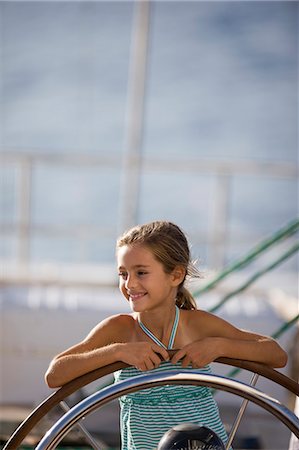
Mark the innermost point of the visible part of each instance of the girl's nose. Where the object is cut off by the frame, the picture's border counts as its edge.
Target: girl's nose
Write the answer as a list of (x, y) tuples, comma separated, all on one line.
[(130, 282)]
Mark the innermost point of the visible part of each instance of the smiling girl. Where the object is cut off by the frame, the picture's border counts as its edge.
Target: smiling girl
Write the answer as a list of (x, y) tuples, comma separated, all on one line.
[(153, 263)]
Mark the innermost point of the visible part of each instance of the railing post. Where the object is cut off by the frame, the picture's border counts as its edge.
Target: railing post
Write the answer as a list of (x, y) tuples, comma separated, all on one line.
[(220, 226), (131, 166), (24, 210)]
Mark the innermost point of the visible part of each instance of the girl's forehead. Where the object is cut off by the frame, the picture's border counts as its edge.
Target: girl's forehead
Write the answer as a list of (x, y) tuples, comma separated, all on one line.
[(137, 254)]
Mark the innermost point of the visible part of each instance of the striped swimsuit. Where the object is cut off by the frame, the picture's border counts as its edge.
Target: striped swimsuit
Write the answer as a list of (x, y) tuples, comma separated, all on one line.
[(146, 415)]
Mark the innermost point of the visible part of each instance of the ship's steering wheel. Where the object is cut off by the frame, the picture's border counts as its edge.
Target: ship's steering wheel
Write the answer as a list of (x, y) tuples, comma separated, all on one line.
[(106, 395)]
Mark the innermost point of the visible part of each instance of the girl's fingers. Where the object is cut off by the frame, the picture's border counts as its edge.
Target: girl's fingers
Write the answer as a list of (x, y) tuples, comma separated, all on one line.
[(156, 360), (148, 365), (178, 355), (161, 351), (186, 361)]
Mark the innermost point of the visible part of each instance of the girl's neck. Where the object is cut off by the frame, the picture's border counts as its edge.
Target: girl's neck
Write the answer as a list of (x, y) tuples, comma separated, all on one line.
[(159, 321)]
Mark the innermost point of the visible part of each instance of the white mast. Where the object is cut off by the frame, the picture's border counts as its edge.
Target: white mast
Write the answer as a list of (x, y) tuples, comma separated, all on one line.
[(132, 159)]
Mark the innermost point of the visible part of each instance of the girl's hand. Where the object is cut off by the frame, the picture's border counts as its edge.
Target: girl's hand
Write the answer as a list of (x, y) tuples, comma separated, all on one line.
[(143, 355), (199, 353)]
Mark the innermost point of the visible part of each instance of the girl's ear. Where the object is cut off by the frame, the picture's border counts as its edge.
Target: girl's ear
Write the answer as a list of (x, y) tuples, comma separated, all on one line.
[(178, 275)]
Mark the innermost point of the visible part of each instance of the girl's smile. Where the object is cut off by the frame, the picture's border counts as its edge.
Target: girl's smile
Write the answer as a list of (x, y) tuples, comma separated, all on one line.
[(135, 297)]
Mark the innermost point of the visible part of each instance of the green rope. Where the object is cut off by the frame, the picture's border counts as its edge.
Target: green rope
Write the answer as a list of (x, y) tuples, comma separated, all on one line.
[(284, 327), (284, 232), (257, 275)]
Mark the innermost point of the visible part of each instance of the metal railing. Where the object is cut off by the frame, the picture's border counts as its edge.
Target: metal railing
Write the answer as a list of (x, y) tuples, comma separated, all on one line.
[(23, 228)]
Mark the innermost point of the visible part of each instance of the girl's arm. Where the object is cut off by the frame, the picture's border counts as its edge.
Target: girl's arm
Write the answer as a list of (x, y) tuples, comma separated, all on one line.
[(96, 350), (221, 339), (105, 344), (77, 361)]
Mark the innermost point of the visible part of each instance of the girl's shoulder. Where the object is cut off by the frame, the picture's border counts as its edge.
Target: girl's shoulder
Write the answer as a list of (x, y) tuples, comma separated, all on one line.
[(199, 321), (208, 324), (120, 321), (116, 328), (195, 315)]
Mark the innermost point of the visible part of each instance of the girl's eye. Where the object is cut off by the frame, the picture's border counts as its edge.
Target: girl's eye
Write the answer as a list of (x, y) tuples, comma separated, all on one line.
[(123, 275), (140, 273)]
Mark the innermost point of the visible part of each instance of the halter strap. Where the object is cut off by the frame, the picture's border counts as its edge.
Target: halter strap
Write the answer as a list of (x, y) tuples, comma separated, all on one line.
[(172, 335)]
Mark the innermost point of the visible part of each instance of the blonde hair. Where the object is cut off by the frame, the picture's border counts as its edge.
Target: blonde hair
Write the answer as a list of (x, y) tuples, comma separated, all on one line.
[(170, 247)]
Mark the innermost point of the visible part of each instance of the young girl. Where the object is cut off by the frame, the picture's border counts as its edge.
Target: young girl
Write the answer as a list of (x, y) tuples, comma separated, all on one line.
[(153, 263)]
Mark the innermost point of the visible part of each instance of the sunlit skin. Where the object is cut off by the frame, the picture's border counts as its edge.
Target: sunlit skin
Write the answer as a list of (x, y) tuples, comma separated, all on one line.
[(201, 337), (150, 291)]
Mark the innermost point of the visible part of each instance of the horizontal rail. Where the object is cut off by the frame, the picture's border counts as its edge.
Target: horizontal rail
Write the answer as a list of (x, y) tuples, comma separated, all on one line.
[(198, 165)]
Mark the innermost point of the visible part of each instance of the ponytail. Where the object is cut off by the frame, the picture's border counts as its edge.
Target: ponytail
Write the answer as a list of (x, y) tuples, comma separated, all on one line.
[(185, 300)]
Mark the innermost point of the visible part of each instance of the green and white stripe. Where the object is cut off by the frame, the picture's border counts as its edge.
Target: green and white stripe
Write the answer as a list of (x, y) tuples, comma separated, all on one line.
[(146, 415)]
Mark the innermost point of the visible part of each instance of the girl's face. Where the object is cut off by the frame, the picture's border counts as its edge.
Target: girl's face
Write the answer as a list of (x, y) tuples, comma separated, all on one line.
[(142, 279)]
